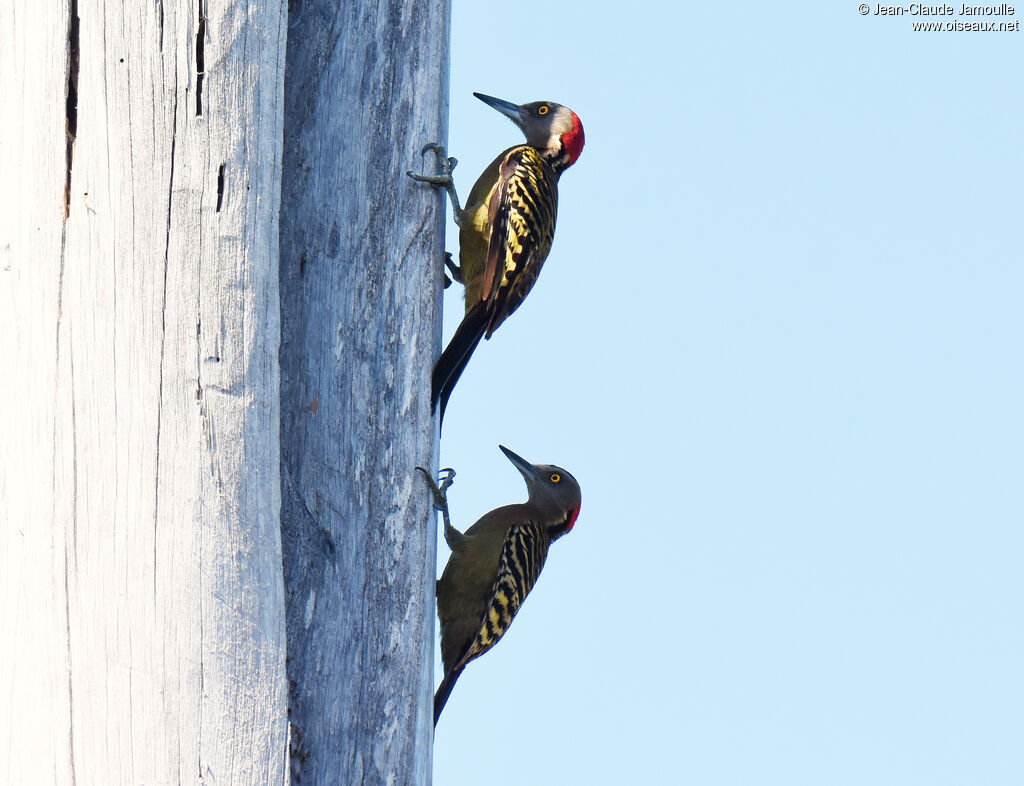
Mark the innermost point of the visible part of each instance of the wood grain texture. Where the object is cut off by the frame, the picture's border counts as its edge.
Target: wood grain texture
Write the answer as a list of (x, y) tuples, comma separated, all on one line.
[(361, 273), (142, 590)]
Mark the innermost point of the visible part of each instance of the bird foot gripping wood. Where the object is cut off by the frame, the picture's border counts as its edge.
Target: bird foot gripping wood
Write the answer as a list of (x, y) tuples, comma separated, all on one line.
[(444, 180), (440, 494), (454, 269)]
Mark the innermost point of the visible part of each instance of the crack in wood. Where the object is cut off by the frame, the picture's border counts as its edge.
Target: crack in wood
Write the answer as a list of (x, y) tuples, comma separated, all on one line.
[(71, 107), (72, 523), (200, 58), (163, 341), (199, 367), (70, 670), (220, 186), (416, 235)]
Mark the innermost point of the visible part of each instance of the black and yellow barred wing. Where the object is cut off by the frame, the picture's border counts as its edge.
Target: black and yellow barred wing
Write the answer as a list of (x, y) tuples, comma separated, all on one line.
[(521, 212), (522, 557)]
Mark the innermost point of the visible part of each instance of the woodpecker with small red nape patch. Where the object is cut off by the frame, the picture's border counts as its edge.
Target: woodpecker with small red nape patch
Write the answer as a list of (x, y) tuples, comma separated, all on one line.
[(506, 227), (495, 563)]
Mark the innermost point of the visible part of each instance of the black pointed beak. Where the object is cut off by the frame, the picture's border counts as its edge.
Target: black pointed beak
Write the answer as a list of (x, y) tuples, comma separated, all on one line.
[(513, 112), (525, 467)]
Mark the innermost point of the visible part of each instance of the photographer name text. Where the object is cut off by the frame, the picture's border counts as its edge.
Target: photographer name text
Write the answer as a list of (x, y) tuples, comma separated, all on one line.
[(920, 9)]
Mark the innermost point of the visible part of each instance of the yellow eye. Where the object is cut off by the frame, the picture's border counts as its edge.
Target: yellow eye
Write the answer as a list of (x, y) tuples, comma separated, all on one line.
[(555, 477), (543, 110)]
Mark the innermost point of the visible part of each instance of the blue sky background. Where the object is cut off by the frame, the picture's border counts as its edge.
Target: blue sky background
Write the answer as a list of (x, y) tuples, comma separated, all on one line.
[(778, 341)]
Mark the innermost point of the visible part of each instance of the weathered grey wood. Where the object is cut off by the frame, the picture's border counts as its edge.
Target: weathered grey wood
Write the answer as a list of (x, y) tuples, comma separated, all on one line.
[(142, 591), (361, 254)]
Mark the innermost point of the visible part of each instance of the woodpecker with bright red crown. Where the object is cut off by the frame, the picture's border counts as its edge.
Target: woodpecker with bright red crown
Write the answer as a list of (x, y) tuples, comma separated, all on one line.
[(495, 563), (506, 227)]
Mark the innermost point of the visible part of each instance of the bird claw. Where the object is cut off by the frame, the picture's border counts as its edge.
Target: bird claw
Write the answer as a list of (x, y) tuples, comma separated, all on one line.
[(440, 491), (442, 153), (444, 180), (433, 180), (448, 164), (454, 269), (447, 476)]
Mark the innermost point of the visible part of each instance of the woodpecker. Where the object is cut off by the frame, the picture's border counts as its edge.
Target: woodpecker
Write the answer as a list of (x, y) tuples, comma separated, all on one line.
[(495, 563), (506, 227)]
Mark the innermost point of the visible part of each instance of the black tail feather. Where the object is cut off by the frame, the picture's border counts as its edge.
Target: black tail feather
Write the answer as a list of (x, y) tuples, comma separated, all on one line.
[(444, 690), (456, 355)]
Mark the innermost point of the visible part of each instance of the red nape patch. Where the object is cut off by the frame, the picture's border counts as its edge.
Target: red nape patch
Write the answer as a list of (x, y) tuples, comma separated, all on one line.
[(573, 141), (575, 514)]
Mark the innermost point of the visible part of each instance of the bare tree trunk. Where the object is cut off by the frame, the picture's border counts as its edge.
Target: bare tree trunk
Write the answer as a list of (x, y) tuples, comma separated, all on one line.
[(141, 586), (361, 253)]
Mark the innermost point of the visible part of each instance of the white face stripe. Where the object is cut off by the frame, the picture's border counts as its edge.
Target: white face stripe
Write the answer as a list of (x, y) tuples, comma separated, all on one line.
[(561, 124)]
